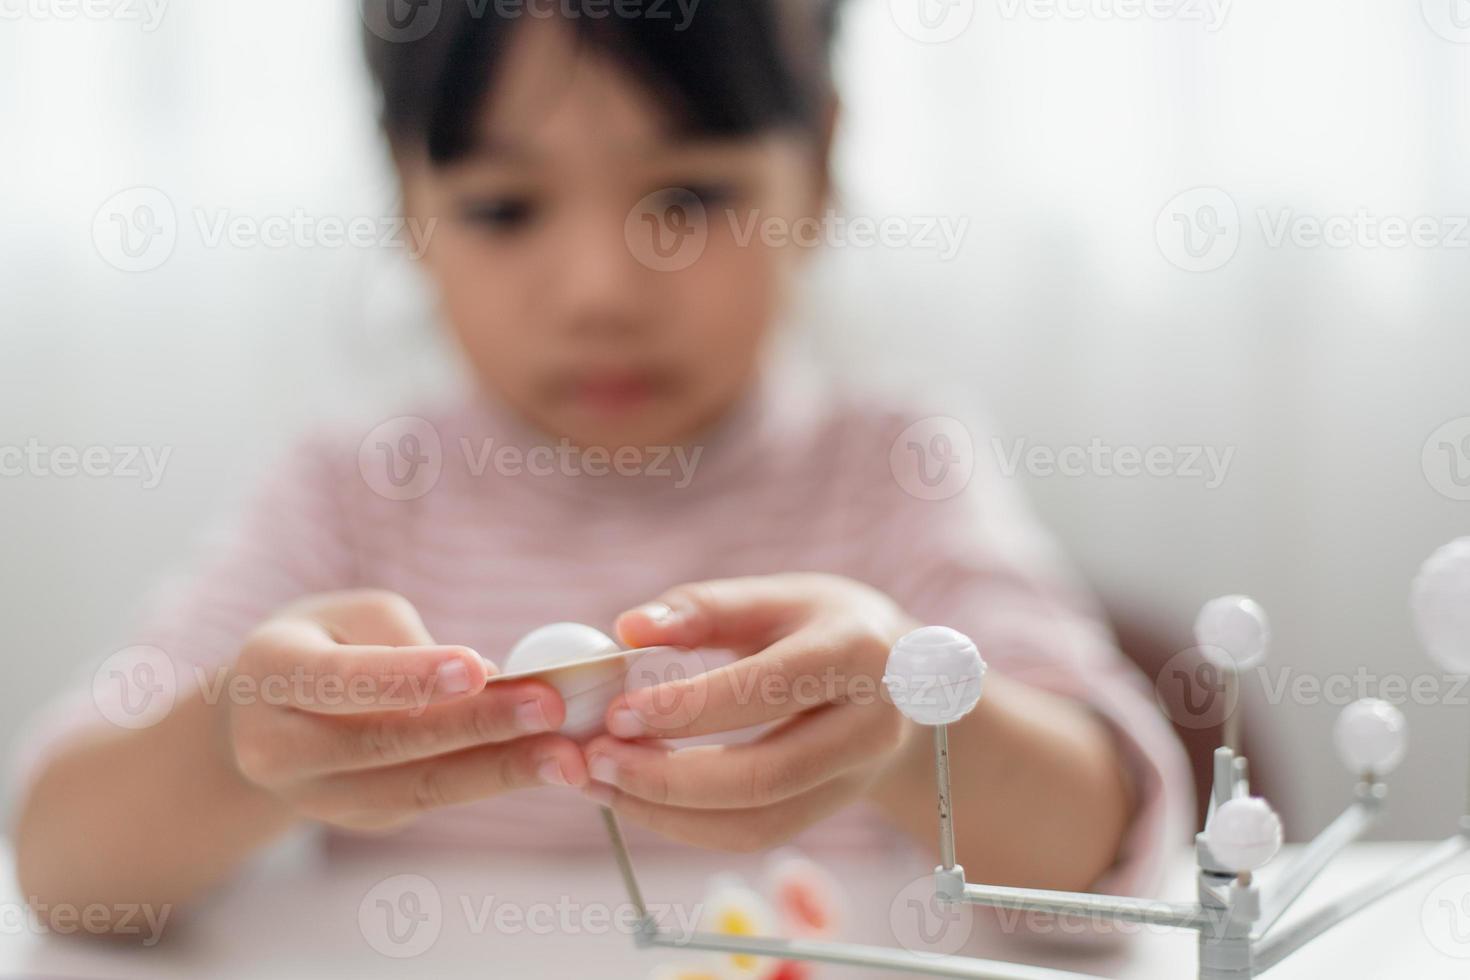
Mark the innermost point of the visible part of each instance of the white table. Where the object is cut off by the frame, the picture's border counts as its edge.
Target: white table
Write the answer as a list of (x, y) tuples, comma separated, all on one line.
[(302, 913)]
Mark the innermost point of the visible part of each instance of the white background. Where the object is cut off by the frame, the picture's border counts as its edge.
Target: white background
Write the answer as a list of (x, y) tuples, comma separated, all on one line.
[(1061, 133)]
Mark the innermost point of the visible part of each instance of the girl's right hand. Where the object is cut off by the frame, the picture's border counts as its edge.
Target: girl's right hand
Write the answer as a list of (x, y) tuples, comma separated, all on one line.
[(343, 707)]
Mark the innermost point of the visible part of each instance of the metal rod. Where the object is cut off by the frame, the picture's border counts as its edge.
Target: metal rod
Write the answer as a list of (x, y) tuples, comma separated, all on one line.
[(1231, 694), (625, 862), (946, 814), (1281, 892), (851, 954), (1112, 907), (1273, 950)]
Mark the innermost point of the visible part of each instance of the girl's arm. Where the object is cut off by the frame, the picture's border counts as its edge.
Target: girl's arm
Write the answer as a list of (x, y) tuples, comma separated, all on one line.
[(1038, 790), (123, 818), (348, 714)]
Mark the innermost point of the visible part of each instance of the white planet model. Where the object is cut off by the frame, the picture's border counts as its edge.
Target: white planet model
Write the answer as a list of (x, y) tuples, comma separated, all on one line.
[(1232, 632), (586, 667), (1244, 834), (1372, 737), (935, 675), (1441, 602)]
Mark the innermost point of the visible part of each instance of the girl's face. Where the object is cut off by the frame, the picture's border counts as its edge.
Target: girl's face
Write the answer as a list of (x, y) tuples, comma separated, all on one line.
[(547, 270)]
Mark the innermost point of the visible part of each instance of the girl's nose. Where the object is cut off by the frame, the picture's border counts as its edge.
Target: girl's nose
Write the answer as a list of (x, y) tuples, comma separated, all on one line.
[(601, 289)]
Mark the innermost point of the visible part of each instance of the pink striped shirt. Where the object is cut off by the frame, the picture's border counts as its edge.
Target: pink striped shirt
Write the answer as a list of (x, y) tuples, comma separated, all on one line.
[(797, 478)]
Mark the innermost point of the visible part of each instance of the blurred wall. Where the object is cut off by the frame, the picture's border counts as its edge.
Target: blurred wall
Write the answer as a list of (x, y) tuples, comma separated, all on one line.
[(1137, 268)]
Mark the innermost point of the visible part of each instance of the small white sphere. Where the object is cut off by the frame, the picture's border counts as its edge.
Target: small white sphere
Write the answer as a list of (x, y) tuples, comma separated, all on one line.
[(1372, 737), (557, 644), (1245, 834), (1232, 632), (935, 675), (1441, 602)]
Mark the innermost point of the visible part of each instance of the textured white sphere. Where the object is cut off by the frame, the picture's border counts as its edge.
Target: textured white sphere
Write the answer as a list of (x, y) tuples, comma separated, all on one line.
[(1232, 632), (935, 675), (1441, 602), (557, 644), (1372, 737), (1245, 834)]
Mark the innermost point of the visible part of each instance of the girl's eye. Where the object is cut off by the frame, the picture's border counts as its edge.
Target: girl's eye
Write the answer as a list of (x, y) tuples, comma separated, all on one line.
[(709, 195), (503, 214)]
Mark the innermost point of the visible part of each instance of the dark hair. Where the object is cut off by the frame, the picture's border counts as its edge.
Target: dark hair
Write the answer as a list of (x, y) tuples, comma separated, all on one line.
[(717, 67)]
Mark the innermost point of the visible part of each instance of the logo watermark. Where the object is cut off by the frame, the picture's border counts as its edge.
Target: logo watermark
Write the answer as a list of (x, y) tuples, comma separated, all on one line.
[(138, 229), (403, 916), (1209, 465), (934, 458), (37, 918), (932, 21), (147, 14), (675, 701), (135, 687), (404, 459), (1446, 459), (1194, 692), (138, 686), (1450, 19), (1201, 230), (1445, 917), (145, 464), (924, 924), (405, 21), (668, 231), (1210, 13)]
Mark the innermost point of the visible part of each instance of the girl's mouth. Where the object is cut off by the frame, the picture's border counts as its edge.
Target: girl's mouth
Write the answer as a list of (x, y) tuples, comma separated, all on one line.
[(614, 393)]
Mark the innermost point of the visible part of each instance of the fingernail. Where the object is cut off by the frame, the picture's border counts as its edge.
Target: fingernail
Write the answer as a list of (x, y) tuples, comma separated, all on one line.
[(551, 773), (624, 724), (603, 769), (453, 677), (658, 613), (599, 794), (531, 717)]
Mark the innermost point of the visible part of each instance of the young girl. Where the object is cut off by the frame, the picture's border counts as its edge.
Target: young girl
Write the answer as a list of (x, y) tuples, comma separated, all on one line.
[(328, 662)]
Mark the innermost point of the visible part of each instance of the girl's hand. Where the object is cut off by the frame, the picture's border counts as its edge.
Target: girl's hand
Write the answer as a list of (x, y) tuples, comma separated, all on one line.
[(813, 649), (344, 708)]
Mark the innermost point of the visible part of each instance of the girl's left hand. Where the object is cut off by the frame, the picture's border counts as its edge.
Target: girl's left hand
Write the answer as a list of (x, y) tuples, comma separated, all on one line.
[(812, 652)]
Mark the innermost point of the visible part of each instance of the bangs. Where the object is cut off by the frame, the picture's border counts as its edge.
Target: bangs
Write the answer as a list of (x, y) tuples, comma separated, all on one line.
[(717, 68)]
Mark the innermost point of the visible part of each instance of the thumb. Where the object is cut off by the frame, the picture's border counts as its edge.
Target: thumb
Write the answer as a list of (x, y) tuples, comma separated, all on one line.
[(743, 614)]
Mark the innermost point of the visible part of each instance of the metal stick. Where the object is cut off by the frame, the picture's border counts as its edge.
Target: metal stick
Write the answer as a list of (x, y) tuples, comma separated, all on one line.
[(1232, 710), (1279, 946), (946, 815), (1081, 904), (625, 862), (853, 954), (1314, 858)]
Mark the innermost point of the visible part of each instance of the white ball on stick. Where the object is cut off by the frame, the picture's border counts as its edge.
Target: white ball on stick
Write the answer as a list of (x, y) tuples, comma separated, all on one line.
[(1232, 632), (1245, 834), (1372, 737), (1441, 602), (935, 675)]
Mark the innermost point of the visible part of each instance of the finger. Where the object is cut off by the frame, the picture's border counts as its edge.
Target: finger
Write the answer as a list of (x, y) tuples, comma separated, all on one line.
[(367, 616), (296, 663), (314, 745), (732, 830), (735, 613), (789, 761), (448, 780), (802, 671)]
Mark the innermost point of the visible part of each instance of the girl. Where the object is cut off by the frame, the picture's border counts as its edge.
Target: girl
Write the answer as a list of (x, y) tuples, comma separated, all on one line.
[(579, 176)]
